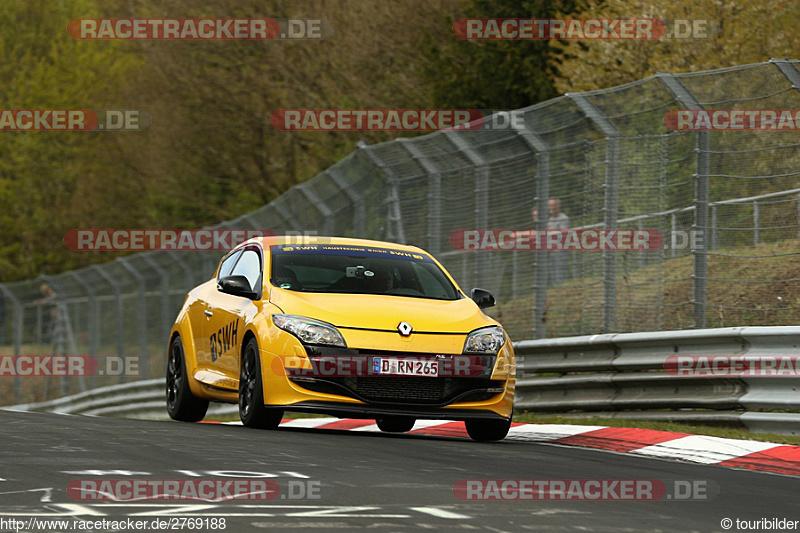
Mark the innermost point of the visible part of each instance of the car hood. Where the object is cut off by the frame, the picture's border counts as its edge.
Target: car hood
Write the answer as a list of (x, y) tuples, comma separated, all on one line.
[(371, 311)]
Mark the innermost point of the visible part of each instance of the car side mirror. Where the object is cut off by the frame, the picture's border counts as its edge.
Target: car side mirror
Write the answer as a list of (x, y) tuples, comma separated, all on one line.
[(483, 298), (237, 286)]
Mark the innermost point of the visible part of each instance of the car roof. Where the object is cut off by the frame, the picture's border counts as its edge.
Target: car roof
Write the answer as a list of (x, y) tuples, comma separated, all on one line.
[(304, 240)]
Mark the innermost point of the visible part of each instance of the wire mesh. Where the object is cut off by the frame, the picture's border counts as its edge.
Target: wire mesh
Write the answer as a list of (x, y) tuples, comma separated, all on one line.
[(616, 164)]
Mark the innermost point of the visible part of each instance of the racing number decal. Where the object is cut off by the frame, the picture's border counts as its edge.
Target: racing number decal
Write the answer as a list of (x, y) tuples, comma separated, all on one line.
[(224, 339)]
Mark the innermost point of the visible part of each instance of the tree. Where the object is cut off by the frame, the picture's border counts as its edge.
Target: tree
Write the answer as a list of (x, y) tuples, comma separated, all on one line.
[(493, 74), (740, 32)]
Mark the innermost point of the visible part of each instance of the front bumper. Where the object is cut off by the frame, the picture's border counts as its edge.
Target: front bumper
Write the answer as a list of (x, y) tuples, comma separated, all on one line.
[(347, 410)]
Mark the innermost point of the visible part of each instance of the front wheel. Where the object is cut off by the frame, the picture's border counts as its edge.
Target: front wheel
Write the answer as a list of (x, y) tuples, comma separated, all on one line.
[(181, 403), (252, 411), (395, 424), (487, 430)]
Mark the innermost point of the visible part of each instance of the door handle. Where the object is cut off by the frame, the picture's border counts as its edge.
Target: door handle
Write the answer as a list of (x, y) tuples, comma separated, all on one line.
[(208, 313)]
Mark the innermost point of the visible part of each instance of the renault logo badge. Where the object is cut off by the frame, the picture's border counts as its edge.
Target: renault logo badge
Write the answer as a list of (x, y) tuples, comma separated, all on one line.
[(404, 328)]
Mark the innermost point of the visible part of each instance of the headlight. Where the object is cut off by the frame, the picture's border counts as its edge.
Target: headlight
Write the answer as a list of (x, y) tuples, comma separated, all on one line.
[(485, 340), (309, 331)]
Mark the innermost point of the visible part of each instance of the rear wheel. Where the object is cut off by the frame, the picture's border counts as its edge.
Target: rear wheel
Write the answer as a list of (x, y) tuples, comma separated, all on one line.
[(395, 424), (252, 411), (487, 430), (181, 403)]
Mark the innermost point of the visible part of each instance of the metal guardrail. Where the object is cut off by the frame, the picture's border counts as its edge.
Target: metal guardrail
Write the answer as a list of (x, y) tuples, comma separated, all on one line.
[(139, 399), (624, 376), (607, 376)]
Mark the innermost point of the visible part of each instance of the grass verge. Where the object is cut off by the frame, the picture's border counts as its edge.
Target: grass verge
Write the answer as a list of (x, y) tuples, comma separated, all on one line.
[(695, 429)]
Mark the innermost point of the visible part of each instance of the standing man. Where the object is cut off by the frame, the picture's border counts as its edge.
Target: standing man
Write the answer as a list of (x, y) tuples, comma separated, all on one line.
[(557, 259)]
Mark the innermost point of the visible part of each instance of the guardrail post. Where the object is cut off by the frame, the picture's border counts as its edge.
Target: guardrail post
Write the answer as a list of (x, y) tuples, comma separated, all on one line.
[(700, 226), (611, 201)]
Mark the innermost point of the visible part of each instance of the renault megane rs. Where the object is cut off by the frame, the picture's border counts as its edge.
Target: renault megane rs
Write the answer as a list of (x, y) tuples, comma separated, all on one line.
[(347, 327)]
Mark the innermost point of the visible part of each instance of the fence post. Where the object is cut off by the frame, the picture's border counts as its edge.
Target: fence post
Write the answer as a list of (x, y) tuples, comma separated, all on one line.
[(286, 214), (17, 334), (673, 220), (62, 326), (92, 330), (118, 308), (756, 232), (357, 200), (394, 218), (540, 257), (325, 211), (611, 200), (142, 312), (700, 276), (434, 195), (166, 320), (481, 196), (641, 252), (713, 243), (187, 271)]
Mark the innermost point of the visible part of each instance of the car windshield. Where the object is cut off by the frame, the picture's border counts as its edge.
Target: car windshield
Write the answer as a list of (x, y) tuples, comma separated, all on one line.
[(359, 270)]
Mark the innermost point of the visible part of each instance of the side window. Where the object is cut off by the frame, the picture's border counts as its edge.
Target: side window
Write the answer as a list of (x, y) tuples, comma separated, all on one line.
[(249, 266), (227, 264)]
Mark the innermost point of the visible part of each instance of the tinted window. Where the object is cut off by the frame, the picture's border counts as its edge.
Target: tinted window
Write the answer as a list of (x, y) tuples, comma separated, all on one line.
[(360, 274), (249, 266)]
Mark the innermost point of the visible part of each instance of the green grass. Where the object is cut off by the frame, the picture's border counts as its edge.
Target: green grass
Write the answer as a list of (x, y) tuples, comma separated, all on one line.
[(695, 429), (659, 297)]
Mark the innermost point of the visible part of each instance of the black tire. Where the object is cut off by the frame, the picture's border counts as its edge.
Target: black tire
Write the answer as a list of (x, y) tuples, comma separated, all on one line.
[(181, 403), (395, 424), (487, 430), (252, 411)]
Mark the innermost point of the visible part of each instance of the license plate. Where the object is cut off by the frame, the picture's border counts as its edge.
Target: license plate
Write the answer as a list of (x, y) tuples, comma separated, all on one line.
[(394, 366)]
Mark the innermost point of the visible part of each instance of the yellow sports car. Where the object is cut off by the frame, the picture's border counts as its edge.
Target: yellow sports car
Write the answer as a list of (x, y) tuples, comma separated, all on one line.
[(347, 327)]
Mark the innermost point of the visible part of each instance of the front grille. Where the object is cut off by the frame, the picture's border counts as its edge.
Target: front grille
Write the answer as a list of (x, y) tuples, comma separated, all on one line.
[(405, 390), (411, 389)]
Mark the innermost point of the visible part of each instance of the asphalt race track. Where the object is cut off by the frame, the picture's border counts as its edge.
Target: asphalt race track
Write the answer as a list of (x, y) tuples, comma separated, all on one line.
[(365, 481)]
